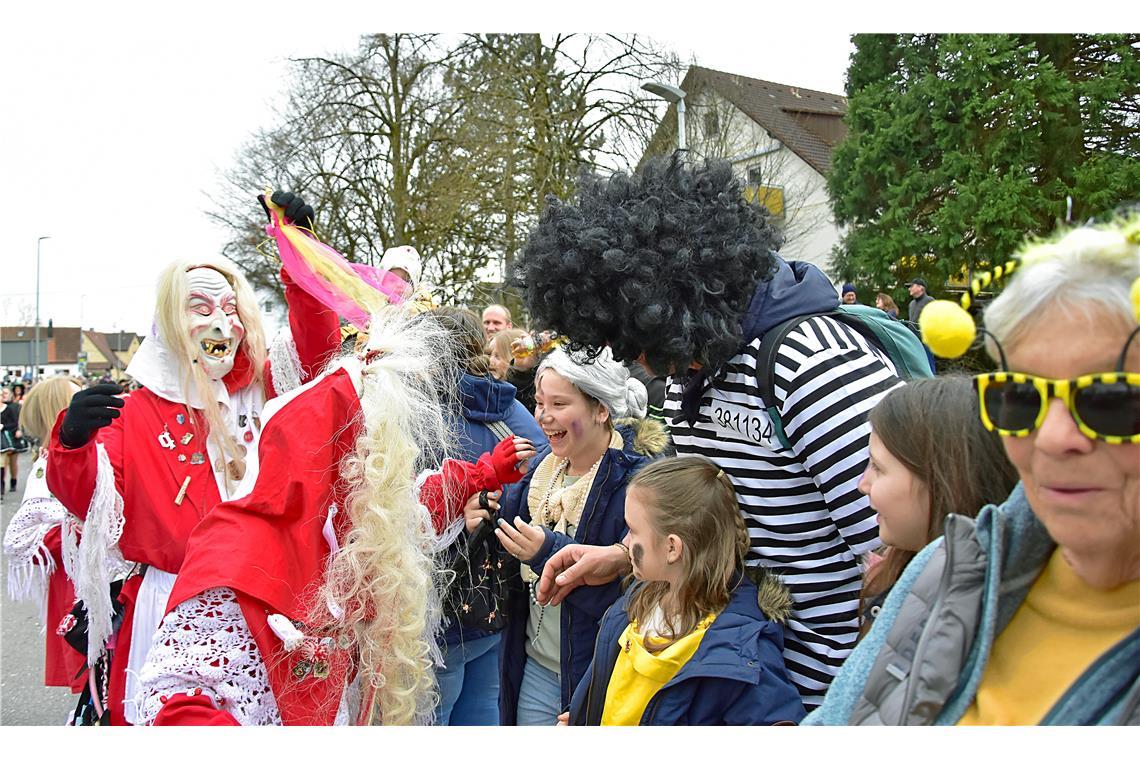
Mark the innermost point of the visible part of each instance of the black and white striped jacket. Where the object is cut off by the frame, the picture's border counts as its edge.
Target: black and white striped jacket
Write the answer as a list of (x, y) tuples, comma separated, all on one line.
[(808, 522)]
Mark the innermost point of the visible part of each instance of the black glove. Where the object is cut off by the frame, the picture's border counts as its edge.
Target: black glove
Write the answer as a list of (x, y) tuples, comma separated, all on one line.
[(297, 211), (90, 409)]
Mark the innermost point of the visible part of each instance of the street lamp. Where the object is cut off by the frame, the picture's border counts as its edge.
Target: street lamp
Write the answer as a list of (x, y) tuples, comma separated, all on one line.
[(36, 360), (673, 95)]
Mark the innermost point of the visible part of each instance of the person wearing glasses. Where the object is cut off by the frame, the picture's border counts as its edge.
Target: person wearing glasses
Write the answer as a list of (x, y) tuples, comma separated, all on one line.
[(1030, 613)]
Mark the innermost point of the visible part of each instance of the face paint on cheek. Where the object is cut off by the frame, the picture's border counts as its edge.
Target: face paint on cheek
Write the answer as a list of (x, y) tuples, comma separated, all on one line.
[(637, 554), (576, 428)]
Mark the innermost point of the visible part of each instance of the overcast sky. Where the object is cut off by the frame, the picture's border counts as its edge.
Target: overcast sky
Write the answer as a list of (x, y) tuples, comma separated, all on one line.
[(119, 118)]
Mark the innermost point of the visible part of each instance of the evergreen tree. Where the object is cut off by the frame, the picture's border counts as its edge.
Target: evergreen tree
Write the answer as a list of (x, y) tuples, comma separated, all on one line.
[(960, 145)]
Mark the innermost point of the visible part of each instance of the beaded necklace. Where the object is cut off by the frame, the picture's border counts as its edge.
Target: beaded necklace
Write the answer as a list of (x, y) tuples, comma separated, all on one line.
[(559, 476)]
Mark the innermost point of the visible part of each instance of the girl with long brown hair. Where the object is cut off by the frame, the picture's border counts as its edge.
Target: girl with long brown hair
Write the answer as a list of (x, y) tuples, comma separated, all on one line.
[(930, 457), (693, 642)]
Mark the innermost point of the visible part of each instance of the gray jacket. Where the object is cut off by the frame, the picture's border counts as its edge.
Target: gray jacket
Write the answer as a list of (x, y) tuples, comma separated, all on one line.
[(922, 661), (915, 307)]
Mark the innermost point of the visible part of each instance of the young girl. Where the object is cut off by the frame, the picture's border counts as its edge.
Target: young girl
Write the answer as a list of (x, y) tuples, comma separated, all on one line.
[(33, 540), (575, 494), (688, 644), (930, 457)]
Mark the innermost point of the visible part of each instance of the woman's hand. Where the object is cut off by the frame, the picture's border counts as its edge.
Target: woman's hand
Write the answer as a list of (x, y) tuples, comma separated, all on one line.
[(564, 719), (521, 541), (481, 506)]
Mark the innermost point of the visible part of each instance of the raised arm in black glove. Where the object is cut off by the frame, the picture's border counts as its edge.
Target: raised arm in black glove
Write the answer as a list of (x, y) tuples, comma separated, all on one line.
[(296, 210), (90, 409)]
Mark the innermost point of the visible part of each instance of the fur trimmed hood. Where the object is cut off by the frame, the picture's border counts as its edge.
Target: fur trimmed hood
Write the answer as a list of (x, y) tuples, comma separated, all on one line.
[(647, 436), (772, 595)]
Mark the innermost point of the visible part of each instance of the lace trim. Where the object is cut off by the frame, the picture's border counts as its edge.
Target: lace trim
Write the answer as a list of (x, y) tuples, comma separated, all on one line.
[(30, 564), (98, 553), (204, 643), (284, 363)]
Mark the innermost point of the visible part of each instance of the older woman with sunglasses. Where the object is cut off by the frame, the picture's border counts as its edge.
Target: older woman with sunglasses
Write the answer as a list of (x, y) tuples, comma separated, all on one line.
[(1030, 614)]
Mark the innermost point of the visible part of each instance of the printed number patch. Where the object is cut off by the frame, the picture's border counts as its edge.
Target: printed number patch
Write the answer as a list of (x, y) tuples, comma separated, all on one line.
[(743, 423)]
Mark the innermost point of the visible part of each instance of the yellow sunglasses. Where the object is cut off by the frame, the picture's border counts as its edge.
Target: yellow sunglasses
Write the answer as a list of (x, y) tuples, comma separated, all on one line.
[(1105, 405)]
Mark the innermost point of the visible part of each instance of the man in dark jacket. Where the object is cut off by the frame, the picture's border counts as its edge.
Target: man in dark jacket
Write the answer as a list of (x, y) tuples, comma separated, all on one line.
[(672, 266)]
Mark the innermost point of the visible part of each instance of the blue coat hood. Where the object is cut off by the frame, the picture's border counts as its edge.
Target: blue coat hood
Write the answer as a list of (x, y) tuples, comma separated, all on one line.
[(737, 676), (796, 288), (485, 399)]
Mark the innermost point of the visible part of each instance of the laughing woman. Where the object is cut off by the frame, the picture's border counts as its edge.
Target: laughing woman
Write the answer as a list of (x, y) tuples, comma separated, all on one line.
[(593, 414)]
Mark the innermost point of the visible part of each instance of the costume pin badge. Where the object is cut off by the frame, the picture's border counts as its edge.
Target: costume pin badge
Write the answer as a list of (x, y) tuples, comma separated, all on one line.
[(180, 418), (187, 438), (197, 458), (165, 440)]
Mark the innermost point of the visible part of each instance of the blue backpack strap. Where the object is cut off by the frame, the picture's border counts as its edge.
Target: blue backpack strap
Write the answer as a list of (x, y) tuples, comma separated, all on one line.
[(766, 372), (896, 339)]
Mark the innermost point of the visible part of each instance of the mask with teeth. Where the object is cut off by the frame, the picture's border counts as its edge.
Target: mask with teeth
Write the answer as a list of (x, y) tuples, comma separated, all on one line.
[(215, 326)]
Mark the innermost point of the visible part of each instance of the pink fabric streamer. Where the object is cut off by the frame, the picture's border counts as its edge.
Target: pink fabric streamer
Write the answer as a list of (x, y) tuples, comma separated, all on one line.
[(387, 284)]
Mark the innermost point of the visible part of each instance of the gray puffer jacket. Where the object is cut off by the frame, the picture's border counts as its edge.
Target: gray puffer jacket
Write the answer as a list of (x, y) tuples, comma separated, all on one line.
[(922, 661)]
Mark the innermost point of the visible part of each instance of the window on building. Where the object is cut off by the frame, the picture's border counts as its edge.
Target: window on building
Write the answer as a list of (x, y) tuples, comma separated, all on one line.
[(770, 197)]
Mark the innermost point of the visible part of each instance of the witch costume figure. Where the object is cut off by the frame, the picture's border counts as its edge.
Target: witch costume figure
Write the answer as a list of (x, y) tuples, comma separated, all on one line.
[(313, 597), (141, 471)]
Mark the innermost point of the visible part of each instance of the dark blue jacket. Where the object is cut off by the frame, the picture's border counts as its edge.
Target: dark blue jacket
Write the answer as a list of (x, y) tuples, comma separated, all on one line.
[(602, 523), (485, 399), (736, 677)]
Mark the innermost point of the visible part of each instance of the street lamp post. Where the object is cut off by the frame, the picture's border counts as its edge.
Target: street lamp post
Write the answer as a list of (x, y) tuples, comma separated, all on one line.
[(36, 349), (673, 95)]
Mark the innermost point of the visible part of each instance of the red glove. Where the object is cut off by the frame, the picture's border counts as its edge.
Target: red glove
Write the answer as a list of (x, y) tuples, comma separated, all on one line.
[(502, 461), (445, 493)]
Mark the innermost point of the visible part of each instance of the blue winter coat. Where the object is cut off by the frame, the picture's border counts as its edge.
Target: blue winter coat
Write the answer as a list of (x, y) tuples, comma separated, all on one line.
[(737, 676), (602, 523), (484, 400)]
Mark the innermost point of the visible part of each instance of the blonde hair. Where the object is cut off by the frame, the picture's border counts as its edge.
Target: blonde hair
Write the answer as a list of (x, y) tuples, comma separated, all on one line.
[(173, 325), (1073, 270), (692, 498), (44, 402), (385, 578), (500, 343)]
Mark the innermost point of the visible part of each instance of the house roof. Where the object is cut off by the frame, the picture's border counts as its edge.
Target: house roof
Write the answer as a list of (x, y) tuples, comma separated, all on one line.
[(64, 346), (807, 122), (99, 340), (121, 341)]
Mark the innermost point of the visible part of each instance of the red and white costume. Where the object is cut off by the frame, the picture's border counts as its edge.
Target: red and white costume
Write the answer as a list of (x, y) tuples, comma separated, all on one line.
[(36, 571), (229, 650), (143, 483)]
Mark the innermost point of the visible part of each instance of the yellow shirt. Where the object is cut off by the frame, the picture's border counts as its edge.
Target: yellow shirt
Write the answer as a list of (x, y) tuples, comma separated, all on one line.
[(639, 674), (1061, 628)]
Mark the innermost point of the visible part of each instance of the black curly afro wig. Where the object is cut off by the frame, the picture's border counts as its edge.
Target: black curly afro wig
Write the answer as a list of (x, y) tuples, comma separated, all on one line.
[(663, 262)]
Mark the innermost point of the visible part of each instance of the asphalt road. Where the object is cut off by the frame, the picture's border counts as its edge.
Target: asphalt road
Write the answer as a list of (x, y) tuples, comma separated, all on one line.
[(24, 700)]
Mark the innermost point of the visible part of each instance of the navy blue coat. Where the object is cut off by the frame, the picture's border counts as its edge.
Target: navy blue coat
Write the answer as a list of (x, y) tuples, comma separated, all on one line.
[(737, 676), (484, 400), (602, 523)]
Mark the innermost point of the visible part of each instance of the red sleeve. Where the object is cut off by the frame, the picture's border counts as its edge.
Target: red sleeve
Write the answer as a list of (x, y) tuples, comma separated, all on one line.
[(315, 328), (445, 492), (71, 472), (199, 710), (53, 542)]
